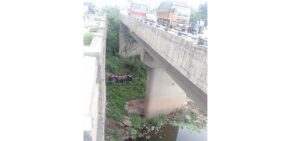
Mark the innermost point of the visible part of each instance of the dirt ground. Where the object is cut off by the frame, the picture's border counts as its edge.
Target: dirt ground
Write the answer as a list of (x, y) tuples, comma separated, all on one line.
[(136, 106), (120, 129)]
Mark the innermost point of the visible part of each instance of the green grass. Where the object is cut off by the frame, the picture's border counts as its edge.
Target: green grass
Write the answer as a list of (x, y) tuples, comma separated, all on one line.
[(136, 120), (182, 121), (112, 135), (119, 93), (157, 120), (87, 38)]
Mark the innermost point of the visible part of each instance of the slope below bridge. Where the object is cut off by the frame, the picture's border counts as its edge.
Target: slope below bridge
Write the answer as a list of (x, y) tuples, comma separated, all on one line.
[(177, 67)]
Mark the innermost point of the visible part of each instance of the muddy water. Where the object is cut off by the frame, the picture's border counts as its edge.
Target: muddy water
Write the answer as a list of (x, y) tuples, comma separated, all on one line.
[(173, 133)]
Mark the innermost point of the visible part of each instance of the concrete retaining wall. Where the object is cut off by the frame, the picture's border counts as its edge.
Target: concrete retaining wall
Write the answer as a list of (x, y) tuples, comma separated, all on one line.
[(94, 60)]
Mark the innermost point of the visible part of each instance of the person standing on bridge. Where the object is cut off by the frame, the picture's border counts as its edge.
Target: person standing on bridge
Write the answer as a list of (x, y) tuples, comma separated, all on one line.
[(201, 26), (197, 26)]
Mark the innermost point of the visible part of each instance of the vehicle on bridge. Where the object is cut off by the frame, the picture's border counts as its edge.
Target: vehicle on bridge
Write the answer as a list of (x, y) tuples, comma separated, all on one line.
[(151, 18), (137, 8), (174, 14), (193, 28)]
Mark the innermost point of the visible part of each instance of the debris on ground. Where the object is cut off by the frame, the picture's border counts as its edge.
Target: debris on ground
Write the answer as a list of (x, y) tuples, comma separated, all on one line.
[(135, 106)]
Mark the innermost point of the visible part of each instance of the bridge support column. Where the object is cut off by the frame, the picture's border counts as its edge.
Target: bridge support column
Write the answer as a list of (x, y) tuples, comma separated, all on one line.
[(163, 95)]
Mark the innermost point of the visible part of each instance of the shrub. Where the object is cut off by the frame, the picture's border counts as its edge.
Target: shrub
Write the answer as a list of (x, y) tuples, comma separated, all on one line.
[(157, 120), (87, 38), (136, 120)]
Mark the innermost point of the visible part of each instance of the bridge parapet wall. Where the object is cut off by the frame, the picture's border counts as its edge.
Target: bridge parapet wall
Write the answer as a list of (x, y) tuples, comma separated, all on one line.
[(190, 59)]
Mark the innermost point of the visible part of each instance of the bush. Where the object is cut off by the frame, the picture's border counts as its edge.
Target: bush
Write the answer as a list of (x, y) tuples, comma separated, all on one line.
[(118, 94), (87, 38), (112, 39), (157, 120), (136, 120)]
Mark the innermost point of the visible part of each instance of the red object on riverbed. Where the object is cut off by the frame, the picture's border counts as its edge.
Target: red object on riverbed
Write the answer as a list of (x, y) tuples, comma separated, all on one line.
[(120, 77), (135, 106)]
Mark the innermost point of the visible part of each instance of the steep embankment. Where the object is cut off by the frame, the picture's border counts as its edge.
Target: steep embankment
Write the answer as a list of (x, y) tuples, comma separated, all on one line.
[(120, 124), (119, 93)]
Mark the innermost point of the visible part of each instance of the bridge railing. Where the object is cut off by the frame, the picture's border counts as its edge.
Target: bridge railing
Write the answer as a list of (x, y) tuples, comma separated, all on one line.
[(198, 39)]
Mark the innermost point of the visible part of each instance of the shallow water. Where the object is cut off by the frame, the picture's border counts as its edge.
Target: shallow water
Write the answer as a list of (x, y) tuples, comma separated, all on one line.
[(173, 133)]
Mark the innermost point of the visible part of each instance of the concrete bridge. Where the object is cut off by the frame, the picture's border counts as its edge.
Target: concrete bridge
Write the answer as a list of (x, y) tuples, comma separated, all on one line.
[(176, 67)]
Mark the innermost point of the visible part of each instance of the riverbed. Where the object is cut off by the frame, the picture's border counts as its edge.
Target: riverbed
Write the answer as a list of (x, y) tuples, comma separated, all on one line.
[(173, 133)]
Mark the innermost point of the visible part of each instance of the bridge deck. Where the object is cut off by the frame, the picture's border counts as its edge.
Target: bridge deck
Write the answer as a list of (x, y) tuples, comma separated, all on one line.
[(184, 61)]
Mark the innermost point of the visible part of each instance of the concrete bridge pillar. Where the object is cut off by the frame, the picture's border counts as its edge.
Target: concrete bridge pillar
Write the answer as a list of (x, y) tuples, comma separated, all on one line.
[(163, 95)]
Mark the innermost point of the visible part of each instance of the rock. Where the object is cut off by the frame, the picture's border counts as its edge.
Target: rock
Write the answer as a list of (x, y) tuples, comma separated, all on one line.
[(126, 121)]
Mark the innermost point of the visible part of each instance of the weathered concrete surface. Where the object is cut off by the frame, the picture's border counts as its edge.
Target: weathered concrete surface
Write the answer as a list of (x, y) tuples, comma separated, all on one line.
[(188, 58), (153, 59), (184, 61), (148, 60), (102, 84), (127, 46), (163, 95), (94, 60)]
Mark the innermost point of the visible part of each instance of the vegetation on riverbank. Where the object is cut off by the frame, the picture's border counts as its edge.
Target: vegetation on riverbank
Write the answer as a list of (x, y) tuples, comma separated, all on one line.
[(87, 38), (118, 94)]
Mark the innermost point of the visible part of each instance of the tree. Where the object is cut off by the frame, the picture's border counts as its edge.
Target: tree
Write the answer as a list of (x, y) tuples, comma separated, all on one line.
[(195, 14), (200, 13), (202, 10), (112, 39)]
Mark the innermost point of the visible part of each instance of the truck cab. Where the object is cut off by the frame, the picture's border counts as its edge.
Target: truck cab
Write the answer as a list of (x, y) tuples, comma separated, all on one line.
[(137, 9), (174, 14)]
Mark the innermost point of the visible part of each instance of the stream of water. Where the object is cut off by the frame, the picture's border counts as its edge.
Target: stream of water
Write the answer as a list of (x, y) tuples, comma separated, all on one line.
[(173, 133)]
